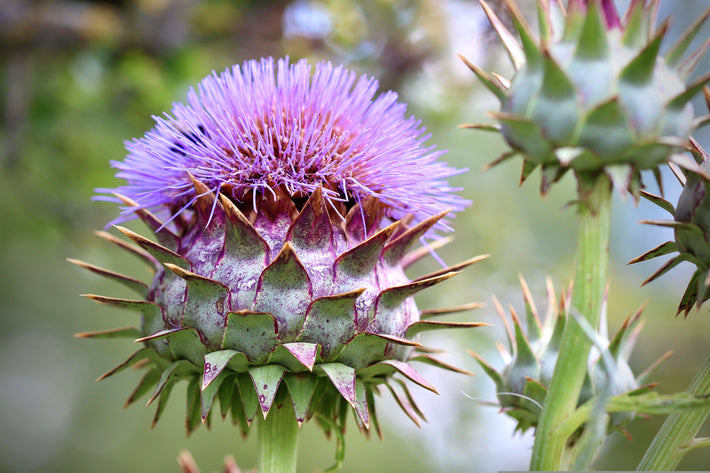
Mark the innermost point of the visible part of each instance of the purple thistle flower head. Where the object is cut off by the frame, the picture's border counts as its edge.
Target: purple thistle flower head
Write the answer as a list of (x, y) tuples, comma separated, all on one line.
[(270, 126), (284, 273)]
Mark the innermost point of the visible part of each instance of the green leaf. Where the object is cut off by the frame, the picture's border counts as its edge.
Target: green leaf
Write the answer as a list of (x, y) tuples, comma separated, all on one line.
[(373, 412), (284, 290), (536, 392), (487, 79), (176, 369), (530, 47), (429, 360), (409, 372), (606, 130), (305, 353), (187, 344), (245, 256), (214, 363), (404, 404), (353, 269), (364, 349), (157, 251), (163, 234), (266, 381), (149, 380), (361, 408), (680, 100), (135, 285), (204, 305), (661, 250), (208, 394), (635, 32), (523, 351), (661, 202), (429, 325), (193, 405), (592, 43), (162, 402), (667, 266), (527, 136), (343, 378), (125, 332), (139, 252), (640, 69), (226, 392), (574, 22), (654, 403), (397, 249), (239, 416), (301, 389), (331, 322), (528, 168), (248, 397), (251, 333), (311, 230), (515, 52), (675, 53), (490, 371), (141, 354), (390, 299)]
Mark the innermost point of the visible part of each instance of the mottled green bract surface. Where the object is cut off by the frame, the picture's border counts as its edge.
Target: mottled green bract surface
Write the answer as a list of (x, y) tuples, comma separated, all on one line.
[(76, 98)]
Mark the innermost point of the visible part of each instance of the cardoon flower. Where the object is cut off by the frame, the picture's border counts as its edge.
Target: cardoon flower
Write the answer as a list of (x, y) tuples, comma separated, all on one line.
[(593, 94), (691, 227), (291, 198)]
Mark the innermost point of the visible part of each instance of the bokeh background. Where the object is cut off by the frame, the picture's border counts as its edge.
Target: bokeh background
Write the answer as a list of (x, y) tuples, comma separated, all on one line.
[(78, 78)]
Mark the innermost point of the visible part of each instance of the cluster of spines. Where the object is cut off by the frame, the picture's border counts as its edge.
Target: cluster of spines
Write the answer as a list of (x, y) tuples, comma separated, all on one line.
[(532, 354), (698, 289), (638, 31), (247, 364)]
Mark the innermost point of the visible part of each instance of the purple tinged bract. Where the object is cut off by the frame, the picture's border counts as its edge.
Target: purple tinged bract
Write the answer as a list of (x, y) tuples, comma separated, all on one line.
[(271, 124)]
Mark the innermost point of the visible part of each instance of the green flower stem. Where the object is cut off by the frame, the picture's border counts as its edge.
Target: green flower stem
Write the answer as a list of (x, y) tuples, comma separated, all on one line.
[(593, 227), (677, 434), (277, 442)]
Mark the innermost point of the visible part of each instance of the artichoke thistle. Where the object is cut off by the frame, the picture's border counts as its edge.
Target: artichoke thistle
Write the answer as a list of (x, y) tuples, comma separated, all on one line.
[(286, 202), (691, 228), (593, 94), (521, 386)]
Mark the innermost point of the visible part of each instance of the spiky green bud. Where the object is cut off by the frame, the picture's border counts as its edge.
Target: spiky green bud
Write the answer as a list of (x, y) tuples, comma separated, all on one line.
[(592, 94), (521, 385), (691, 230)]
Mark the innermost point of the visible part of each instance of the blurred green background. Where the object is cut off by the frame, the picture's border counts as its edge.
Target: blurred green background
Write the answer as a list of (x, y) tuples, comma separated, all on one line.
[(78, 78)]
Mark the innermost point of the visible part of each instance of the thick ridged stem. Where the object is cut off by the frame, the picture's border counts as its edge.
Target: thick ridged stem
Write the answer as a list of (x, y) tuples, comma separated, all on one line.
[(277, 442), (593, 227), (677, 434)]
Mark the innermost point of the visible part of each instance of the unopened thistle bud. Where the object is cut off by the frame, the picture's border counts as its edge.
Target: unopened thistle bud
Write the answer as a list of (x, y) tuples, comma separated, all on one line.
[(592, 93), (691, 229), (521, 385)]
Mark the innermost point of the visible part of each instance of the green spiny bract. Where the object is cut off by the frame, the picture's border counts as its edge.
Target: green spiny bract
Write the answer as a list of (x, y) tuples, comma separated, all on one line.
[(278, 302), (691, 228), (521, 386), (593, 94)]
